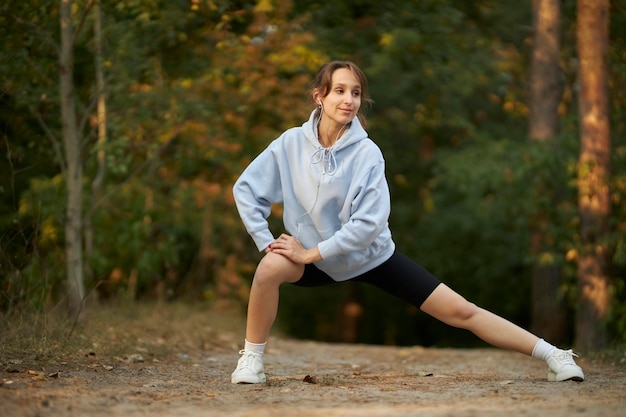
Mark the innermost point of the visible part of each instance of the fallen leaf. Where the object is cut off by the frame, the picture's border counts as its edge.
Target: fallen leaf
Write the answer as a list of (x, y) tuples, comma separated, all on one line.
[(37, 376), (135, 358)]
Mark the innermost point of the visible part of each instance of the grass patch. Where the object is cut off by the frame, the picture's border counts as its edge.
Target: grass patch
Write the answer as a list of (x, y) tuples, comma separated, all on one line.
[(613, 355), (118, 330)]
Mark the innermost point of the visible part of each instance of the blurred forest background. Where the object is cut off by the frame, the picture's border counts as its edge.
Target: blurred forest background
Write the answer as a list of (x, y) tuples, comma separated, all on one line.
[(124, 127)]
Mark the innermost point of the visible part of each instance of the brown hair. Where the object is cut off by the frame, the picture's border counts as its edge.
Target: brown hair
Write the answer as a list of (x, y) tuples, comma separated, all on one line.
[(323, 82)]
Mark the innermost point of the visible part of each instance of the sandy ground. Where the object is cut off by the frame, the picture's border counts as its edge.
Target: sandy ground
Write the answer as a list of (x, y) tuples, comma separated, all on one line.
[(166, 368)]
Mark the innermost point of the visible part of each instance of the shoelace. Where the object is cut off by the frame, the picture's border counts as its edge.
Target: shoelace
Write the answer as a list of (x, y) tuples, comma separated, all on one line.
[(567, 357), (248, 358)]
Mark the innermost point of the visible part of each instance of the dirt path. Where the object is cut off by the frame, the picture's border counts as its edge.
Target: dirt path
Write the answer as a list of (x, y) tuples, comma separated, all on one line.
[(193, 379)]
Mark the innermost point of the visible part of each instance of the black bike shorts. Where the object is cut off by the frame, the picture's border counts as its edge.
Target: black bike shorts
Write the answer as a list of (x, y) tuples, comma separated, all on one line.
[(398, 275)]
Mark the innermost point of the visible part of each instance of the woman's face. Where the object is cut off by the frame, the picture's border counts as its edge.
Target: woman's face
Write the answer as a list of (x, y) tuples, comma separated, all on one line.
[(342, 102)]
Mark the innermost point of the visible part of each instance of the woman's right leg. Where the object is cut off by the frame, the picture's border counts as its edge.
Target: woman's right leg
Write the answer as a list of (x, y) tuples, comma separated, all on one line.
[(272, 271)]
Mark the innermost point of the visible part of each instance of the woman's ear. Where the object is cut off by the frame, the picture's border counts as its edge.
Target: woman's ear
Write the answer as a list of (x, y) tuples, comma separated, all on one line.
[(317, 98)]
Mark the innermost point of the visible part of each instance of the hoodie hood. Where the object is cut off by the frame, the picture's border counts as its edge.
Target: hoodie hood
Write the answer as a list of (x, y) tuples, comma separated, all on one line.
[(354, 132), (327, 156)]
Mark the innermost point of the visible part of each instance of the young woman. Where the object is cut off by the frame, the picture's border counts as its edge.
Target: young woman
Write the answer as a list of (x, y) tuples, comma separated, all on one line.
[(330, 177)]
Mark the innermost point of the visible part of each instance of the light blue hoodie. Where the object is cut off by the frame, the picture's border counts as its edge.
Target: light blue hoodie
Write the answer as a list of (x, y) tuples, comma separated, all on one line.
[(336, 198)]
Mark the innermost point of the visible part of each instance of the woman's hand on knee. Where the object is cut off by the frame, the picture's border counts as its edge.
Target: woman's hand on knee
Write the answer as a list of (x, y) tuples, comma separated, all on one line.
[(292, 248)]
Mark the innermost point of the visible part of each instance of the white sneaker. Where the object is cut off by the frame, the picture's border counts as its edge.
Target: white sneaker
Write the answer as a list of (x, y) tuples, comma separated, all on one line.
[(249, 369), (561, 367)]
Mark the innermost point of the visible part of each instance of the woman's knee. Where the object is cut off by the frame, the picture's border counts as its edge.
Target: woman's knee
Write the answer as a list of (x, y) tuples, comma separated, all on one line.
[(449, 307), (463, 310), (276, 269)]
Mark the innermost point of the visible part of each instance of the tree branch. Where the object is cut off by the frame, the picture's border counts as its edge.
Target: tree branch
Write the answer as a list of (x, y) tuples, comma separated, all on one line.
[(143, 165), (46, 35), (53, 139), (86, 113), (83, 17)]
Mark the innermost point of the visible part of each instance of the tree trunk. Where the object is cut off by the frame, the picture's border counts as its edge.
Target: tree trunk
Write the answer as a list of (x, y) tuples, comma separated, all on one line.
[(548, 309), (545, 89), (593, 173), (101, 121), (71, 142)]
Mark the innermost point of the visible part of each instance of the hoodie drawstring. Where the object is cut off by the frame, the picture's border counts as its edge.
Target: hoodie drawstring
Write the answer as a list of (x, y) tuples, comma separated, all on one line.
[(325, 156)]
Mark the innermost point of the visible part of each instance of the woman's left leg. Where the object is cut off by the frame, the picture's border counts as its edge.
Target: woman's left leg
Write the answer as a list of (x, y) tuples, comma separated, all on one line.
[(406, 279), (451, 308)]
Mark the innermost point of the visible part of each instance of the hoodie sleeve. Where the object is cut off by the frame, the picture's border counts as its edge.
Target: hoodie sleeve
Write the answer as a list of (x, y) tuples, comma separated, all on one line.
[(255, 191), (370, 210)]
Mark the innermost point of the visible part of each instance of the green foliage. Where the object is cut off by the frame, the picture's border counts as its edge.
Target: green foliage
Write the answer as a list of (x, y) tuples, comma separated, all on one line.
[(484, 205), (28, 61), (149, 238), (32, 263)]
